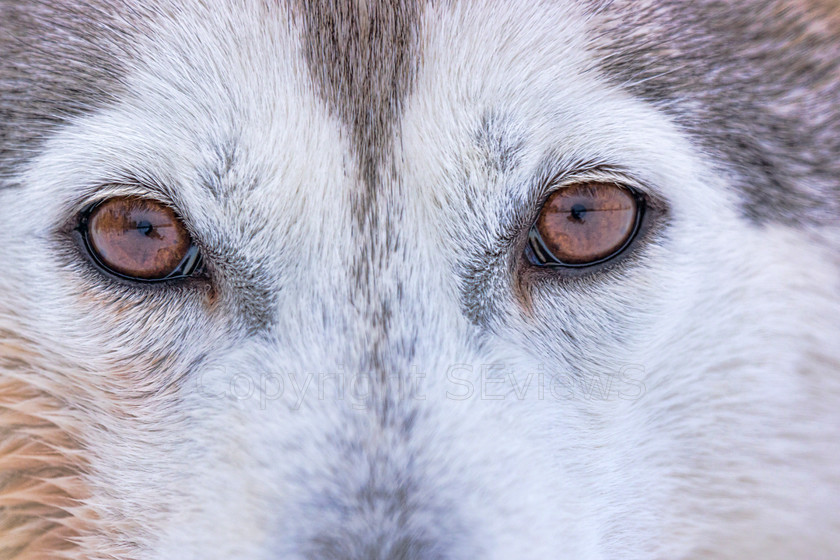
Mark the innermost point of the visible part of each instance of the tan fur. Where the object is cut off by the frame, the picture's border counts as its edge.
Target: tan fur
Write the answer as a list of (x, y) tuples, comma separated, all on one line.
[(45, 501), (42, 511)]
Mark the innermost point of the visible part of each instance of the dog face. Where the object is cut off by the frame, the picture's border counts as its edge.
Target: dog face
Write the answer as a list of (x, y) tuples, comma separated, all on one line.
[(371, 359)]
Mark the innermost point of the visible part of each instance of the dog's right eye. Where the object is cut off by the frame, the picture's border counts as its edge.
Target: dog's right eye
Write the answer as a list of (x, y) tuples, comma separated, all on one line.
[(139, 239), (585, 224)]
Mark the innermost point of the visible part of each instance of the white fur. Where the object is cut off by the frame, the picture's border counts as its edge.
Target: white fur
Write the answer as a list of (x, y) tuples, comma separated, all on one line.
[(716, 439)]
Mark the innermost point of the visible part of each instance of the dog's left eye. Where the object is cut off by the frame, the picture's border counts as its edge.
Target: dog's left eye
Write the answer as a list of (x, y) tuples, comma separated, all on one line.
[(585, 224), (139, 239)]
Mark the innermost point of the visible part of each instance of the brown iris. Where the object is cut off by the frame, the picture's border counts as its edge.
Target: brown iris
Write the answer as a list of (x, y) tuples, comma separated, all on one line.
[(585, 223), (139, 238)]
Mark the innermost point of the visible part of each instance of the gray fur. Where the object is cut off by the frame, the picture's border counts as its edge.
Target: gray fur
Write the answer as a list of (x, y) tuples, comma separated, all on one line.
[(362, 57), (380, 518), (499, 144), (756, 83), (58, 60)]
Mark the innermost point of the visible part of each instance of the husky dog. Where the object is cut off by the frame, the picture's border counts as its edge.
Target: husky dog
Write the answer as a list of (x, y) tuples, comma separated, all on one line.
[(403, 280)]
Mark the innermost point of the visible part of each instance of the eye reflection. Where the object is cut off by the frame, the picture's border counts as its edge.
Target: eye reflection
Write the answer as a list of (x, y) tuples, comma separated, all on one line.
[(139, 239), (585, 223)]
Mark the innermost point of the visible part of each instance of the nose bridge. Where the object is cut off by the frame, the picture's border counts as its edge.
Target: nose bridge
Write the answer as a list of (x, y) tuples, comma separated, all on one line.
[(381, 497), (407, 320), (383, 508), (391, 325), (394, 294), (385, 310), (394, 326), (377, 492)]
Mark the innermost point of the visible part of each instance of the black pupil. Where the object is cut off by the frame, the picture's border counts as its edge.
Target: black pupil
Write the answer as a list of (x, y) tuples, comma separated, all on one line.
[(145, 227), (578, 211)]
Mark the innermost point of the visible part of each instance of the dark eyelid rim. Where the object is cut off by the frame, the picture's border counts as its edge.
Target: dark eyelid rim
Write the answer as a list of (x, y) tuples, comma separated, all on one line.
[(542, 185), (190, 266), (540, 256)]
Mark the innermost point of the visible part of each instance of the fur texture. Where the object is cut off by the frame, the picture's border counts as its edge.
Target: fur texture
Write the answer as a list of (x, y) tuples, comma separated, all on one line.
[(372, 368)]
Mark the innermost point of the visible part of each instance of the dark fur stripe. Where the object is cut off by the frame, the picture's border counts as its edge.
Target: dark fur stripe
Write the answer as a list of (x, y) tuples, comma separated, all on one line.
[(362, 57)]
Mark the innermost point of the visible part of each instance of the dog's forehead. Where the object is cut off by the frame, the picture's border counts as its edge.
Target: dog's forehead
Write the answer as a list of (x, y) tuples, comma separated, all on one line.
[(359, 63), (362, 56), (772, 123)]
